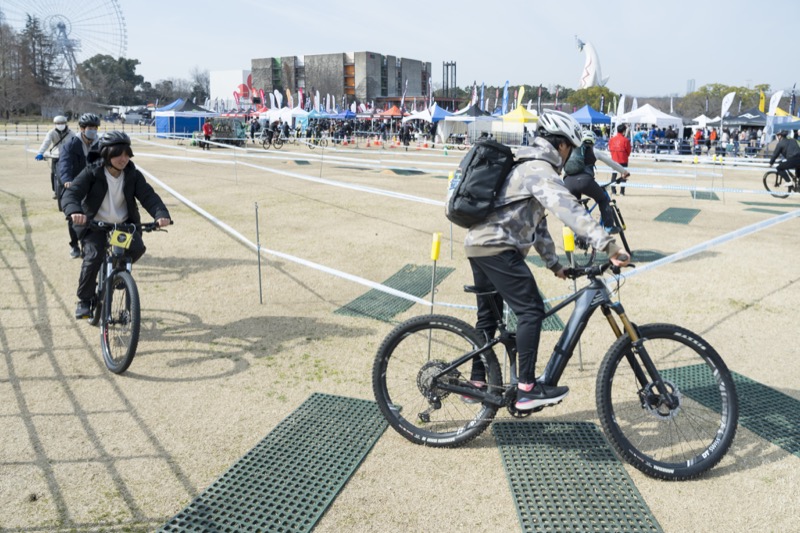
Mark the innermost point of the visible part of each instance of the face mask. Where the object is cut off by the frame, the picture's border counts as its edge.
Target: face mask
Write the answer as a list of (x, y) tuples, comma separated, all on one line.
[(61, 127), (90, 134)]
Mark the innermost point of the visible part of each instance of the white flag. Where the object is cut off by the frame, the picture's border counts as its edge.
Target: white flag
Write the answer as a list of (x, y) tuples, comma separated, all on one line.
[(635, 105), (621, 105), (726, 103), (774, 101)]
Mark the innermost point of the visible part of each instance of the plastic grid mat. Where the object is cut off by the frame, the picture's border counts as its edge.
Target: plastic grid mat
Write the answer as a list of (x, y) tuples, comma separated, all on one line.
[(565, 478), (678, 215), (412, 279), (704, 195), (290, 478), (770, 414)]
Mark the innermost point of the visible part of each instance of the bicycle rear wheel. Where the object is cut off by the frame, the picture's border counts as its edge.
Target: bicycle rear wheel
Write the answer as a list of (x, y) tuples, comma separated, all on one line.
[(119, 330), (774, 183), (673, 442), (402, 376), (265, 143), (277, 143)]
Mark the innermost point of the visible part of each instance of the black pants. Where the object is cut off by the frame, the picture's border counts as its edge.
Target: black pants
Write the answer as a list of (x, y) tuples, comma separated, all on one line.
[(584, 183), (791, 163), (613, 177), (94, 246), (510, 276), (54, 174)]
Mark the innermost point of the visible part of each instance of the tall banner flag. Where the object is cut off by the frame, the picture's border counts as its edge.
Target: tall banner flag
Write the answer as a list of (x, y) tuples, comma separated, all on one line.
[(762, 102), (516, 100), (602, 102), (403, 98), (430, 90), (483, 87), (774, 101), (671, 108), (278, 98), (558, 88), (793, 102), (621, 106), (474, 99), (635, 104), (706, 103), (261, 93), (539, 101), (727, 100), (505, 98)]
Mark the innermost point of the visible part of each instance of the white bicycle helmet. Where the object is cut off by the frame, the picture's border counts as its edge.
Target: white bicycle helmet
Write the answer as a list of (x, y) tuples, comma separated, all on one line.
[(588, 137), (60, 119), (560, 123)]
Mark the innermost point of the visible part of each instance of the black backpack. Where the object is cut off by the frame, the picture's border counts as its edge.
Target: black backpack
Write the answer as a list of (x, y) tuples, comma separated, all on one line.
[(480, 176)]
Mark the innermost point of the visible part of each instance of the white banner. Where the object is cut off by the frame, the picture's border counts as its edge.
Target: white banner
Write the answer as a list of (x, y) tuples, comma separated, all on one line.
[(621, 105), (727, 100), (774, 101)]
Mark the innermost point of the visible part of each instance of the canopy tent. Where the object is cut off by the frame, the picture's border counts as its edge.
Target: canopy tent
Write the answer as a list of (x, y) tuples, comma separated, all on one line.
[(704, 121), (589, 115), (180, 117), (431, 114), (752, 117), (795, 125), (392, 112), (520, 114), (471, 111), (345, 115), (317, 114), (648, 114)]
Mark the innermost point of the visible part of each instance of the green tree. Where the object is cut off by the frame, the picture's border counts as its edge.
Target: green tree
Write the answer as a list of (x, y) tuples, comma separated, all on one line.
[(708, 99), (592, 96), (110, 81)]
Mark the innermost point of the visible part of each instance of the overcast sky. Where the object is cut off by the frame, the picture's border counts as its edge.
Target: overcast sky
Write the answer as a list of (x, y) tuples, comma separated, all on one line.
[(645, 48)]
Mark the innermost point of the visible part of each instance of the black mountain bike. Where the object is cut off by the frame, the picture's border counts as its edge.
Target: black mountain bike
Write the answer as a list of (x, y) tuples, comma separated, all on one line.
[(778, 187), (664, 396), (116, 304), (584, 253)]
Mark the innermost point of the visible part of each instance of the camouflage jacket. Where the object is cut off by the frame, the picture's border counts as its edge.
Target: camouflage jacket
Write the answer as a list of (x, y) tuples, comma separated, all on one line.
[(519, 222)]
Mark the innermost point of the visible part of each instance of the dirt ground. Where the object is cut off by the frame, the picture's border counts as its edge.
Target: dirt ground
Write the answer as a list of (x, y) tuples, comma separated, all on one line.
[(83, 449)]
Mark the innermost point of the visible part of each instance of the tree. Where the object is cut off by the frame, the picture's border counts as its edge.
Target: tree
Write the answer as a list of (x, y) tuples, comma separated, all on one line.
[(11, 94), (708, 99), (110, 81), (592, 96), (200, 81)]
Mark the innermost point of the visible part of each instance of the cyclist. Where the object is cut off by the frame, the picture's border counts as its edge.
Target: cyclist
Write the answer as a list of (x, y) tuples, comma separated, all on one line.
[(496, 248), (790, 150), (579, 176), (55, 139), (107, 192), (71, 161)]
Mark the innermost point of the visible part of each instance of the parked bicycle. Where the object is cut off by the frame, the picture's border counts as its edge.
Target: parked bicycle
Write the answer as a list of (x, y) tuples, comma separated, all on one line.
[(116, 305), (313, 142), (664, 396), (778, 187), (584, 253)]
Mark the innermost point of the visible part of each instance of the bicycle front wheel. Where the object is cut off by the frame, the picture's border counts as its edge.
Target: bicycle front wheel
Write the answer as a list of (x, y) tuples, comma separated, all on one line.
[(677, 435), (402, 380), (774, 183), (265, 144), (119, 330), (277, 143), (620, 224)]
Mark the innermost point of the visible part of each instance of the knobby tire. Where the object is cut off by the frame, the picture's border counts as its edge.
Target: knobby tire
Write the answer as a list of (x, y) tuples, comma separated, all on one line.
[(119, 329)]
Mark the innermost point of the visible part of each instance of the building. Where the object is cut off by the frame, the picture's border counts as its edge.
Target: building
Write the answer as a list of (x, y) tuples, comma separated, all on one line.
[(362, 77)]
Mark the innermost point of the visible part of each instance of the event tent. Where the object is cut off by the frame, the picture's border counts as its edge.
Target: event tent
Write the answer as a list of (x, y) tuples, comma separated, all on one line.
[(648, 114), (704, 121), (392, 112), (180, 117), (520, 114), (589, 115), (752, 117), (431, 114)]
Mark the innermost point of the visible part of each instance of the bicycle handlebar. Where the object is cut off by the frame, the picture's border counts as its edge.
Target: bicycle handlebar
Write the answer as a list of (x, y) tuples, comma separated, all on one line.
[(592, 271), (127, 226)]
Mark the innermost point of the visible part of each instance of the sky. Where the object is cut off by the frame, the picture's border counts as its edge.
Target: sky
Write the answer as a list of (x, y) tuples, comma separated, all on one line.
[(645, 48)]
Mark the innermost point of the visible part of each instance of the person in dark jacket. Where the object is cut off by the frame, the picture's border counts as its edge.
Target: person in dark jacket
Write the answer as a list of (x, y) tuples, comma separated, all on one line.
[(108, 192), (790, 150), (72, 160)]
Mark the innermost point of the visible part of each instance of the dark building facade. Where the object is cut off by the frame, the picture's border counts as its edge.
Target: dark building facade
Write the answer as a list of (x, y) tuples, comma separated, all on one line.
[(358, 76)]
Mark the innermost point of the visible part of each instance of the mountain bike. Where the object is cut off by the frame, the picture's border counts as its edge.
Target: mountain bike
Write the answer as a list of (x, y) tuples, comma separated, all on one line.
[(664, 396), (778, 187), (313, 142), (584, 252), (267, 138), (116, 305)]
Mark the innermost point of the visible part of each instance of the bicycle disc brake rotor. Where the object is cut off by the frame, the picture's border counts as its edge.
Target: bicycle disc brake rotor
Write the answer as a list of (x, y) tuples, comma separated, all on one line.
[(655, 404), (425, 377)]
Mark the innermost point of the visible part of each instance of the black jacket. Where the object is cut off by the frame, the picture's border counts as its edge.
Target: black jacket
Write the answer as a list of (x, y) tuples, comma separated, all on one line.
[(71, 159), (787, 148), (89, 189)]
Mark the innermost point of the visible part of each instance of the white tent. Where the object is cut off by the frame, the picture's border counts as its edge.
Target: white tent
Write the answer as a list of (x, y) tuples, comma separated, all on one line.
[(703, 120), (648, 114)]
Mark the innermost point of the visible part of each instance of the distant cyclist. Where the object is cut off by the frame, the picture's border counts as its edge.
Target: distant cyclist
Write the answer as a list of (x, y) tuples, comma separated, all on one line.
[(579, 176), (790, 150)]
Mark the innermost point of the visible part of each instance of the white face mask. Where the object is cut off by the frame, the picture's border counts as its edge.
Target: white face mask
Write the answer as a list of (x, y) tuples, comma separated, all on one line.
[(61, 127)]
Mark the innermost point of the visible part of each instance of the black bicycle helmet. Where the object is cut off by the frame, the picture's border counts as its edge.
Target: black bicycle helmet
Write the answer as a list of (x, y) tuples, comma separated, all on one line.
[(89, 119), (112, 138), (783, 133)]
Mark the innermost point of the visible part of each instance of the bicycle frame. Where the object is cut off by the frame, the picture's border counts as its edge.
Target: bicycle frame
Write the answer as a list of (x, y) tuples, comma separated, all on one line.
[(115, 261)]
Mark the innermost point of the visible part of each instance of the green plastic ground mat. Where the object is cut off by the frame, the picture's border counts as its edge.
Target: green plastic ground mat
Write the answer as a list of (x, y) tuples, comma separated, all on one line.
[(412, 279), (767, 211), (288, 481), (704, 195), (551, 323), (678, 215), (406, 171), (565, 478), (778, 204), (770, 414)]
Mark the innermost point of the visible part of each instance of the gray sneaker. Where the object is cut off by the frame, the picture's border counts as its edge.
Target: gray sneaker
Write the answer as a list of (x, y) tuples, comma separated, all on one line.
[(75, 253)]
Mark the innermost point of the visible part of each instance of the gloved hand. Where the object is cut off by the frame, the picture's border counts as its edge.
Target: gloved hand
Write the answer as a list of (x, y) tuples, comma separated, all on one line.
[(39, 157)]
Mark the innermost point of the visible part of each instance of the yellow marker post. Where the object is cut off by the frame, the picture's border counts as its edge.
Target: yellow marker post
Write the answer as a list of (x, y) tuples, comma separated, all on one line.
[(435, 247)]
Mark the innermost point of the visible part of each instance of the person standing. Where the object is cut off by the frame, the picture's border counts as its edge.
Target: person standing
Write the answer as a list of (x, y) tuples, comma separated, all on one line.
[(208, 131), (620, 148), (55, 139), (108, 192), (72, 160)]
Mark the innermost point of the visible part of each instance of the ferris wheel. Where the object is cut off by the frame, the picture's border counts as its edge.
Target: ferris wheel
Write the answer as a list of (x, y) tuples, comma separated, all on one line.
[(79, 29)]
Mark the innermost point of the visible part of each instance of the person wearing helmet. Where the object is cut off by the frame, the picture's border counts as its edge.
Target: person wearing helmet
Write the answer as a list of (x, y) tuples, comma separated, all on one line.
[(73, 158), (789, 149), (496, 248), (56, 138), (579, 176), (620, 148), (108, 192)]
